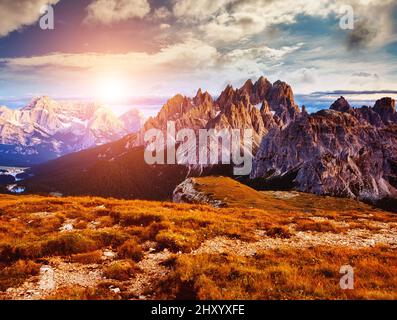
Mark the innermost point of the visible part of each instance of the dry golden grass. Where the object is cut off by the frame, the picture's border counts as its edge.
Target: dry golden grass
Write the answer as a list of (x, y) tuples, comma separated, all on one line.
[(235, 194), (283, 274), (17, 273), (120, 270), (30, 235), (279, 232), (316, 226), (87, 258), (81, 293), (130, 250)]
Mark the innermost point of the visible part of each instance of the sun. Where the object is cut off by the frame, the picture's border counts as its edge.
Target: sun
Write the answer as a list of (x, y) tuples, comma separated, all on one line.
[(111, 89)]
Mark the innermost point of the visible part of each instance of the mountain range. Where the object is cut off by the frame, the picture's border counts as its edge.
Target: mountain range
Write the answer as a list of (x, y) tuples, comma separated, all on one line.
[(342, 151), (46, 129)]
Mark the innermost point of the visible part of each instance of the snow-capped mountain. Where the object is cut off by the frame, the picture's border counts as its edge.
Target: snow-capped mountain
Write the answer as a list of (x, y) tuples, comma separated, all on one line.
[(46, 129)]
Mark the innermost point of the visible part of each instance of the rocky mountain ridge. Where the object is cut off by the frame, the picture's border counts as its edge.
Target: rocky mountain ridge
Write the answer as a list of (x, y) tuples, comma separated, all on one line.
[(46, 129), (342, 152), (260, 106)]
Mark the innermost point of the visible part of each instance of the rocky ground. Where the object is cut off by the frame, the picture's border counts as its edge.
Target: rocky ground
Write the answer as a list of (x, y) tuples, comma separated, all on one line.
[(93, 248), (58, 273)]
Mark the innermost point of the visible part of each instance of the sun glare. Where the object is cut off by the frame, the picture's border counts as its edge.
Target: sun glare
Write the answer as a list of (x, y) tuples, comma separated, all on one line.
[(111, 90)]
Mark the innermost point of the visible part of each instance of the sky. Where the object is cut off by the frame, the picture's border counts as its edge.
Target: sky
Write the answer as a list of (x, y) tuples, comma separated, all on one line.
[(141, 52)]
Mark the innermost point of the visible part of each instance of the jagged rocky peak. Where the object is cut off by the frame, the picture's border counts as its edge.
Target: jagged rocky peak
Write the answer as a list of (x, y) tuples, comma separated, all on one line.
[(282, 94), (262, 86), (174, 107), (226, 97), (385, 104), (42, 102), (257, 92), (202, 97), (234, 108), (341, 105), (279, 96), (246, 92), (386, 108), (282, 101), (247, 87)]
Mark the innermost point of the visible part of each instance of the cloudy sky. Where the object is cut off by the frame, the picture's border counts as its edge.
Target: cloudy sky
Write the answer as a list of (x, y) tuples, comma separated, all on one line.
[(146, 50)]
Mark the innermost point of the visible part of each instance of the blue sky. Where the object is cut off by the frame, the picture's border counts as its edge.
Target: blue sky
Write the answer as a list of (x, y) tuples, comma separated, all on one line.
[(143, 51)]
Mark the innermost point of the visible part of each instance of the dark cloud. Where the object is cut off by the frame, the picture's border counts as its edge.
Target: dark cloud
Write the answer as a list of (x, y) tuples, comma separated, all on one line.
[(361, 36), (245, 21), (365, 75)]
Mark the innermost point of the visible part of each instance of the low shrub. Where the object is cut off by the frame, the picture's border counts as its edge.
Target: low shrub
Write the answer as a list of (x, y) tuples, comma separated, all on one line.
[(16, 274), (279, 232), (67, 244), (316, 226), (81, 293), (87, 258), (130, 250), (120, 270)]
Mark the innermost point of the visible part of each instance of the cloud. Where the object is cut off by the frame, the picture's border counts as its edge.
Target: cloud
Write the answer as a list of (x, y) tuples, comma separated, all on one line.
[(372, 30), (304, 75), (231, 20), (365, 75), (112, 11), (161, 13), (361, 36), (189, 54), (184, 56), (223, 21), (261, 53), (198, 10), (18, 13), (185, 66)]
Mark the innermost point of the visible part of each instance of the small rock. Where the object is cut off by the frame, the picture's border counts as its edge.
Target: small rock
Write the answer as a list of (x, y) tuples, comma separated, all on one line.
[(115, 290), (66, 227), (107, 254), (47, 281)]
